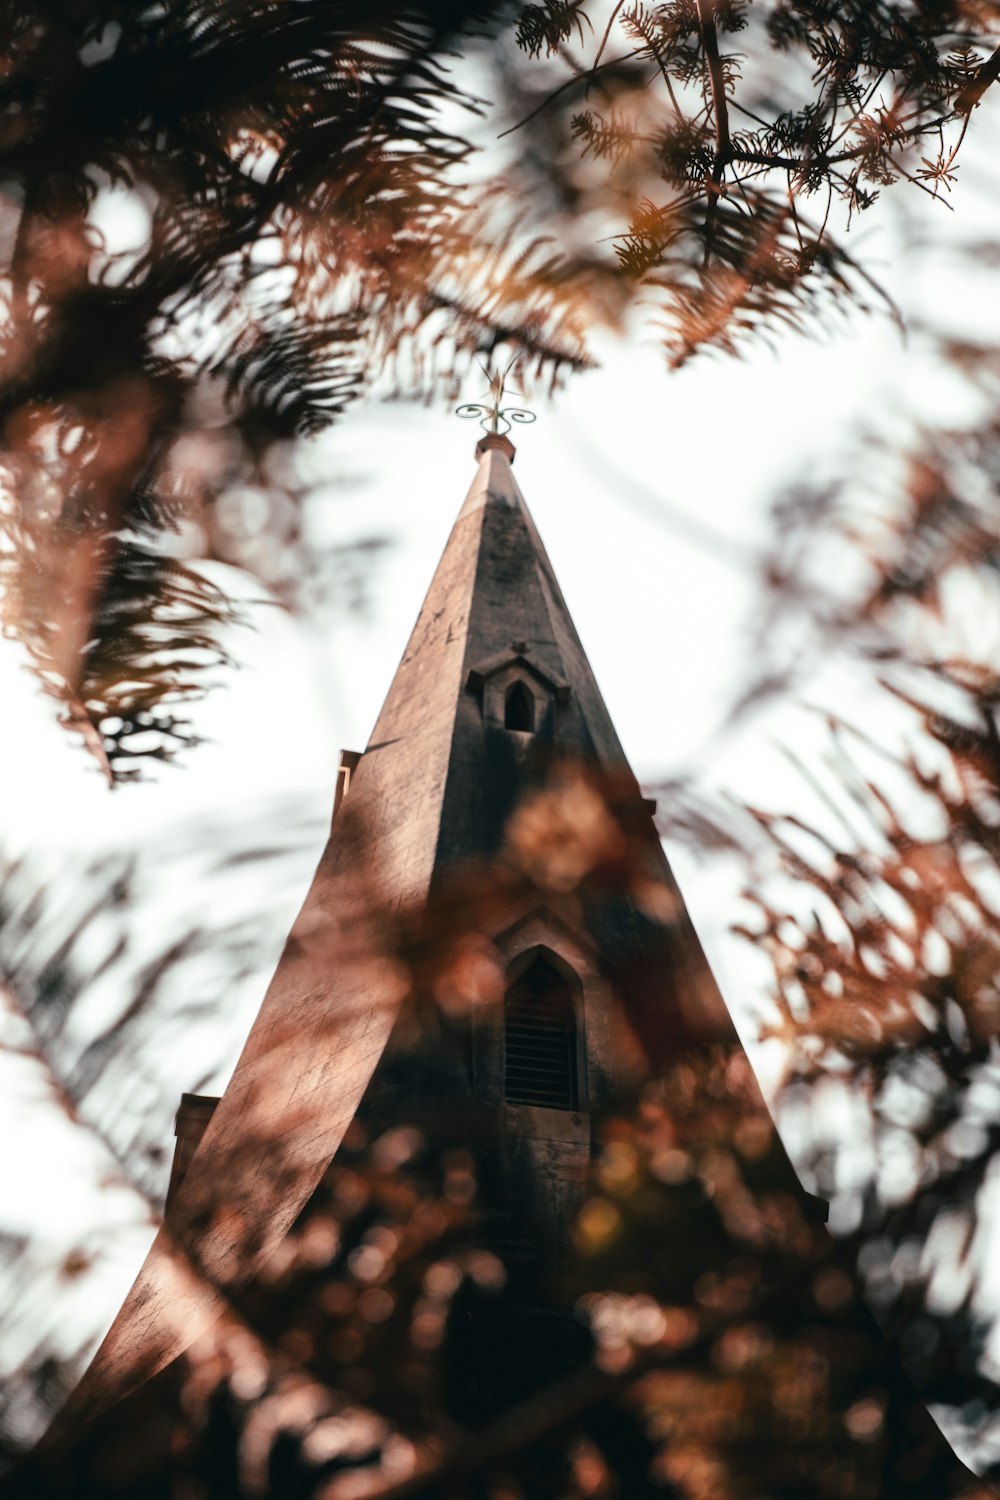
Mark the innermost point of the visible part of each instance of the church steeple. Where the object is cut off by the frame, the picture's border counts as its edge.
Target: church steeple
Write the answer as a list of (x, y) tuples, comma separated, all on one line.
[(494, 620), (493, 753), (493, 691)]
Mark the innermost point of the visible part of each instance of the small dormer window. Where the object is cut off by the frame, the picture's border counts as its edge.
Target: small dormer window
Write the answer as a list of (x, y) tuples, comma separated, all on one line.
[(518, 693), (519, 708)]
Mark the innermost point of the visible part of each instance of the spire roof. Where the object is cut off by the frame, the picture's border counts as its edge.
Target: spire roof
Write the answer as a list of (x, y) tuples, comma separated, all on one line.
[(433, 789)]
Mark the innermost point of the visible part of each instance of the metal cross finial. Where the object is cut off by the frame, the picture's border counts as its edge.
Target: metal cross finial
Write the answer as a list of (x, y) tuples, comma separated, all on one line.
[(493, 413)]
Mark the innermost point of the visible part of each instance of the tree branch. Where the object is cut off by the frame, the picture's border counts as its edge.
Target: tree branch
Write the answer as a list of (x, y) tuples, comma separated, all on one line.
[(968, 97), (586, 73), (720, 110)]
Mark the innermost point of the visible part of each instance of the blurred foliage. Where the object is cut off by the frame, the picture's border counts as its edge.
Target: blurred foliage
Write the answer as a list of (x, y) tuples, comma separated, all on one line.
[(118, 966), (108, 982), (698, 1335), (155, 631), (874, 888), (736, 139), (306, 227), (702, 1339)]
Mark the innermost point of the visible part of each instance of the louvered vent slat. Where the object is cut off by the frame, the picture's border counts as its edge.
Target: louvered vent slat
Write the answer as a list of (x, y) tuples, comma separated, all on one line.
[(540, 1043)]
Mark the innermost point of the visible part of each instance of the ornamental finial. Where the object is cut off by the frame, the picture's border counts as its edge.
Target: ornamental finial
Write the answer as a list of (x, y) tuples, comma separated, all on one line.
[(493, 416)]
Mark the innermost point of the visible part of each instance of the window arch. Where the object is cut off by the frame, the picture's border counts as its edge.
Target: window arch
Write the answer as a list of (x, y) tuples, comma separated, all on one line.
[(540, 1039), (519, 708)]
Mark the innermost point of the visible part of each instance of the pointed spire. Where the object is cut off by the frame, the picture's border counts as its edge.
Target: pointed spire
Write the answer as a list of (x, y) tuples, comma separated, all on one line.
[(434, 789)]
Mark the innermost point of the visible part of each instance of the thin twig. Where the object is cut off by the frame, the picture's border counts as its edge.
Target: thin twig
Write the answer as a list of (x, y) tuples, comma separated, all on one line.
[(958, 143), (587, 73), (717, 83), (859, 111), (607, 31)]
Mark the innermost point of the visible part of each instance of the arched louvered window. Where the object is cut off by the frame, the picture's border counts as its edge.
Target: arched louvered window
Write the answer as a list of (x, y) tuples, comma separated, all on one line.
[(519, 708), (540, 1040)]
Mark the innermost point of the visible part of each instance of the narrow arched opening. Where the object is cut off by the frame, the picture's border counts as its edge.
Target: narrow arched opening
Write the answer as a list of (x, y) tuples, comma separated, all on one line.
[(519, 708), (540, 1039)]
